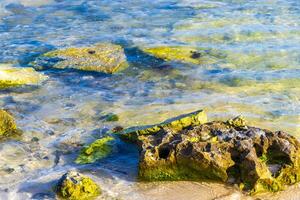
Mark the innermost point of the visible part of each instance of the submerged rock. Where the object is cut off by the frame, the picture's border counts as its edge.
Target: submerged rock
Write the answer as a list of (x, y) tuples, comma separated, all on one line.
[(99, 149), (257, 159), (14, 76), (8, 125), (75, 186), (102, 57), (184, 54)]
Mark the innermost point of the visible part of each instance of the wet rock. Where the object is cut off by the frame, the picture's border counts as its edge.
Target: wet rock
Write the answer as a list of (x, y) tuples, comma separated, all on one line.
[(184, 54), (14, 76), (97, 150), (175, 124), (110, 117), (102, 57), (257, 159), (8, 125), (75, 186)]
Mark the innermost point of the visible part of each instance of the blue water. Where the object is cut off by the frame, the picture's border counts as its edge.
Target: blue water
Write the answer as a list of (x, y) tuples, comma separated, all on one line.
[(256, 74)]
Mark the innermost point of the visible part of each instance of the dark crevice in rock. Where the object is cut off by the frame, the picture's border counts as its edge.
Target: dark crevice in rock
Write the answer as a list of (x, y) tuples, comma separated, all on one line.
[(164, 152)]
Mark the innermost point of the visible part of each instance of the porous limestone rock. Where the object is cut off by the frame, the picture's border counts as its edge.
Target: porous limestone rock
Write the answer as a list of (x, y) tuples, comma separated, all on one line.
[(258, 160), (101, 57), (75, 186), (15, 76)]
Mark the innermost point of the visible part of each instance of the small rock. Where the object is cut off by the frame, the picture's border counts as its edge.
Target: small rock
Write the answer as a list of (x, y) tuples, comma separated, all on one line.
[(75, 186), (8, 125)]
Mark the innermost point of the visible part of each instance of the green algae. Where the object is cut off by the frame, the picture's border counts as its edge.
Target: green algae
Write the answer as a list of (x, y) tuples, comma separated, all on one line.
[(74, 186), (239, 122), (182, 168), (101, 57), (175, 124), (97, 150)]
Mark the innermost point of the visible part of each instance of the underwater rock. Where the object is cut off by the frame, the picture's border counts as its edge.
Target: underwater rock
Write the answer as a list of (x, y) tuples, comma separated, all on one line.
[(101, 57), (258, 160), (99, 149), (8, 125), (184, 54), (75, 186), (14, 76), (110, 117)]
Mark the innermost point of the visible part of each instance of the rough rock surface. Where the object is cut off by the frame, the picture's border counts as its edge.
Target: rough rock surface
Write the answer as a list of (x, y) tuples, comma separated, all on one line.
[(14, 76), (8, 125), (258, 160), (102, 57), (75, 186)]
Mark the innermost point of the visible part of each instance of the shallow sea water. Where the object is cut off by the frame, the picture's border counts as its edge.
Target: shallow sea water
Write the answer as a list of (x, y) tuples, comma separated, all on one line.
[(257, 75)]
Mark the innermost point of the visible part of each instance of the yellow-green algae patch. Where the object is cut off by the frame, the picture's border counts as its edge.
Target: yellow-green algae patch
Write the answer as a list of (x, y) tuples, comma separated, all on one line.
[(175, 124), (183, 54), (15, 76), (97, 150), (8, 126), (75, 186), (101, 57)]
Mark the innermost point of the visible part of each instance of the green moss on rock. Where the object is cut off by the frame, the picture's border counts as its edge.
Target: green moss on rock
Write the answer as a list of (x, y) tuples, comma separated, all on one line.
[(176, 124), (75, 186), (101, 57), (97, 150)]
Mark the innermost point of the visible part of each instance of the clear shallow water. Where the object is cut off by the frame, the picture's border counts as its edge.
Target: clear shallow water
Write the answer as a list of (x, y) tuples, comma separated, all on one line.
[(257, 74)]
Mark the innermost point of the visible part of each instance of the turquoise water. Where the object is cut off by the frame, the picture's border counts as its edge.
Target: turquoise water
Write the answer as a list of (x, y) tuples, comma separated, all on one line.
[(254, 46)]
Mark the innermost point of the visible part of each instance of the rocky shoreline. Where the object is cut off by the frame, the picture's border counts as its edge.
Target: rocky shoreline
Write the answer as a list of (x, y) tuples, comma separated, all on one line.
[(184, 148)]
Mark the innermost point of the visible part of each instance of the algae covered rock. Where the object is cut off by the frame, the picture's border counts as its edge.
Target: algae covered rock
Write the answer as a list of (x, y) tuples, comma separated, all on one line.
[(257, 159), (176, 124), (14, 76), (75, 186), (8, 125), (97, 150), (101, 57), (184, 54)]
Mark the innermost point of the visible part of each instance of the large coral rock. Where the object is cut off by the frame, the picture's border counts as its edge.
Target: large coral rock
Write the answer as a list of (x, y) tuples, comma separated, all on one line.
[(75, 186), (15, 76), (8, 125), (256, 159), (102, 57)]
